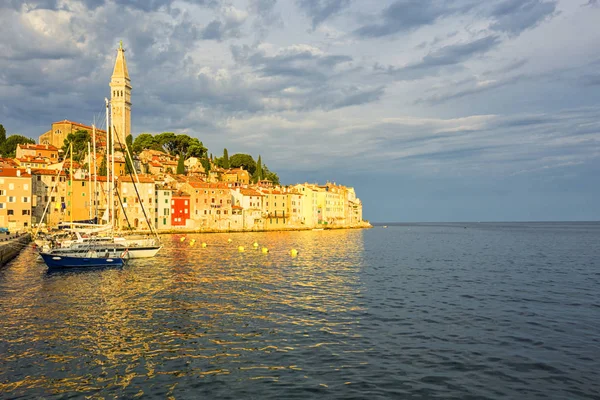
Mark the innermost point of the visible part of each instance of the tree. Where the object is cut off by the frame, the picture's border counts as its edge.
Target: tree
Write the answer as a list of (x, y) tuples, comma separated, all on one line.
[(102, 170), (129, 146), (258, 174), (80, 140), (9, 147), (270, 176), (206, 165), (243, 160), (225, 162), (2, 135), (145, 141), (180, 166)]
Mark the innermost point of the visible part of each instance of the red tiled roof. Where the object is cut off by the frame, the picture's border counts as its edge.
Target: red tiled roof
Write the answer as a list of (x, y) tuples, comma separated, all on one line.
[(142, 178), (79, 125), (46, 172), (250, 192), (12, 172), (30, 146)]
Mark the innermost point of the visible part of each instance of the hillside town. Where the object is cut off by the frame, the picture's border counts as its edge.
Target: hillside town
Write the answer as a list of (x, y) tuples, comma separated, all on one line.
[(42, 187)]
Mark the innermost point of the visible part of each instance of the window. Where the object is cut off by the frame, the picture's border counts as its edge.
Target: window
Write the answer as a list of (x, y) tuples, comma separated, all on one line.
[(166, 211), (172, 201), (26, 212), (164, 221), (186, 202), (53, 199), (2, 205), (2, 192), (186, 210), (82, 183), (166, 201), (225, 212), (11, 186), (10, 212), (204, 212), (11, 199), (25, 199), (173, 210), (39, 178), (62, 199), (54, 179)]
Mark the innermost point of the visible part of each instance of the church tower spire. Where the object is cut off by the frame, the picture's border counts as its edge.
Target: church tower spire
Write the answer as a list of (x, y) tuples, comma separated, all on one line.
[(120, 97)]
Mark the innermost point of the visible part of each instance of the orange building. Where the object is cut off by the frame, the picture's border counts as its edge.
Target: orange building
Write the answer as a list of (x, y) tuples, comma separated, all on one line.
[(15, 198)]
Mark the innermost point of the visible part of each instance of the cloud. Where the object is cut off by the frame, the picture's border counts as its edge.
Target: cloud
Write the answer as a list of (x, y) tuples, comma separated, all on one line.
[(320, 10), (515, 16), (443, 57), (407, 15)]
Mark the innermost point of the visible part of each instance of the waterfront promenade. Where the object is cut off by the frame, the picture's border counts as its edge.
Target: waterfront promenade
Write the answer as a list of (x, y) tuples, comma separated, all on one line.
[(11, 245)]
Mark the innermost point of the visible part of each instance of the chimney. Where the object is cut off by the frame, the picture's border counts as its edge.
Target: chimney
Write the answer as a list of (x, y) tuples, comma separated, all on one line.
[(18, 172)]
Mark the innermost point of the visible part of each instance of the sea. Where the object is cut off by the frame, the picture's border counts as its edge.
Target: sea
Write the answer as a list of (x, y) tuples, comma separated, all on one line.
[(399, 311)]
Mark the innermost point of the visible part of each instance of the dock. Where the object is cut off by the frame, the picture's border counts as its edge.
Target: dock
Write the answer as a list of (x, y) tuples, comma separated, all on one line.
[(11, 245)]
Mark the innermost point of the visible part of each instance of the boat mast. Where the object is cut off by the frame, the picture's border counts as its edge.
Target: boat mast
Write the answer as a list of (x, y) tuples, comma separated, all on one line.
[(95, 174), (108, 175), (89, 181), (112, 157), (71, 182)]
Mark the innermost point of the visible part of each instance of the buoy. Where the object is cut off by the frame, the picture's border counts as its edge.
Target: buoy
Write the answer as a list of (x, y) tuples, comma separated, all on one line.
[(229, 240), (182, 239), (203, 245), (192, 242), (240, 248), (265, 250), (294, 252), (255, 245)]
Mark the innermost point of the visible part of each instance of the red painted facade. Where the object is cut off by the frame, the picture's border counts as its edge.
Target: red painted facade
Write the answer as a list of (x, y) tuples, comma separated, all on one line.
[(180, 209)]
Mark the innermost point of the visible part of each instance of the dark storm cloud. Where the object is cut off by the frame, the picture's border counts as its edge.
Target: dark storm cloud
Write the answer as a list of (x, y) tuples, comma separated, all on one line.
[(144, 5), (515, 16), (406, 15), (445, 56), (320, 10)]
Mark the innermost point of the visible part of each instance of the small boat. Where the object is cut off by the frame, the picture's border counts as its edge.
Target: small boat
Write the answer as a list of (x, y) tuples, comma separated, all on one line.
[(55, 261), (317, 229)]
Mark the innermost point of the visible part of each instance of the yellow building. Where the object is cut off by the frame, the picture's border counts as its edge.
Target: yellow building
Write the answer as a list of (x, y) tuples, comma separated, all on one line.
[(60, 130), (44, 151), (120, 96), (15, 198), (49, 193)]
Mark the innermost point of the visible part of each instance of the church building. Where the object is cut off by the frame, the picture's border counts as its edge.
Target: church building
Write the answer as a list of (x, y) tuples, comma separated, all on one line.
[(120, 101)]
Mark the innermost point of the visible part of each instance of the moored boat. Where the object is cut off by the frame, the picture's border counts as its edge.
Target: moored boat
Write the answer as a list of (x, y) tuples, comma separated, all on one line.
[(55, 261)]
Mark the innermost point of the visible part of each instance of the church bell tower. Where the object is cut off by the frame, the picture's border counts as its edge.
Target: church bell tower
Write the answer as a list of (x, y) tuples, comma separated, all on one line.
[(120, 97)]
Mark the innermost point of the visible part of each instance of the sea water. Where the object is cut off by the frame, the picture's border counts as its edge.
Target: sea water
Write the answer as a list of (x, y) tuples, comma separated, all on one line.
[(465, 311)]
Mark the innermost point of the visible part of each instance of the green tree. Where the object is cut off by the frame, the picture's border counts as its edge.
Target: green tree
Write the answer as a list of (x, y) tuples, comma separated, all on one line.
[(258, 173), (128, 163), (2, 134), (205, 164), (270, 176), (180, 166), (80, 140), (145, 141), (181, 145), (9, 147), (102, 170), (243, 160), (225, 163)]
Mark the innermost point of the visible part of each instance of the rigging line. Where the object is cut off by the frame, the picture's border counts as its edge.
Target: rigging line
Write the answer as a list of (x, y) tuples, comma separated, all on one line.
[(123, 208), (135, 186), (37, 231)]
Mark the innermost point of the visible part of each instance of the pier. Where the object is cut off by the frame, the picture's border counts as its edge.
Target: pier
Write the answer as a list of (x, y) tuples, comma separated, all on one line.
[(11, 245)]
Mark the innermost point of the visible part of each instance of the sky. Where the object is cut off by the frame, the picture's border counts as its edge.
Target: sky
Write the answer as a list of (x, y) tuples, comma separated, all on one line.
[(433, 110)]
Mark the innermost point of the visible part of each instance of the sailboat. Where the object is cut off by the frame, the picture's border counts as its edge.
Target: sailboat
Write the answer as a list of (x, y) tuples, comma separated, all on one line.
[(97, 251)]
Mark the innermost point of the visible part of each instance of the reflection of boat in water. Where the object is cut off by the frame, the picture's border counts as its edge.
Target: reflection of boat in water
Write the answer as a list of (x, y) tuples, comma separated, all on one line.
[(84, 260), (317, 229), (385, 226)]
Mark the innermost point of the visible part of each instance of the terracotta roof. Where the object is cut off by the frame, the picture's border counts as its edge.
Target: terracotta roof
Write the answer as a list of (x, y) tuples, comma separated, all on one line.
[(208, 185), (46, 172), (180, 193), (250, 192), (142, 178), (80, 125), (14, 172), (29, 146), (237, 207)]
